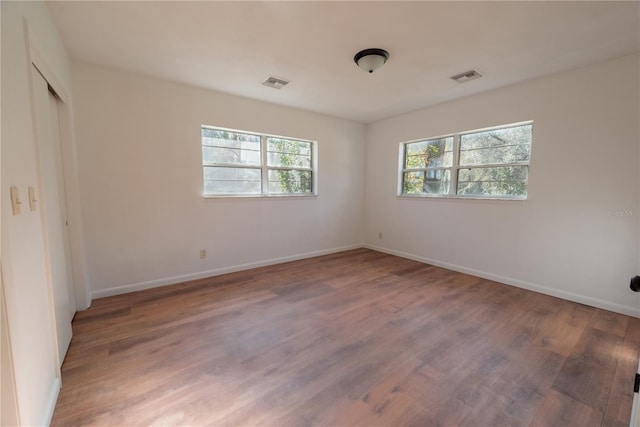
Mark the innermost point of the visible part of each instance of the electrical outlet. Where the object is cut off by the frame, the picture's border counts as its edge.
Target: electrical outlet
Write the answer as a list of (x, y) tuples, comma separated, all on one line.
[(379, 235), (203, 253)]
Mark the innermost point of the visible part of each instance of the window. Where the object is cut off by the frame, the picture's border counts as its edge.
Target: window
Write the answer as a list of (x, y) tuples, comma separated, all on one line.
[(488, 163), (240, 163)]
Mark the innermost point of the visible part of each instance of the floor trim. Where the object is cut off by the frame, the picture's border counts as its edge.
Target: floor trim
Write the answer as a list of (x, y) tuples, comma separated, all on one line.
[(570, 296), (117, 290), (47, 416)]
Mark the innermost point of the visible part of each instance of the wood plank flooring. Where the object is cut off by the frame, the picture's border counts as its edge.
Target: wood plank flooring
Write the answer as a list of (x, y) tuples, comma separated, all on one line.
[(357, 338)]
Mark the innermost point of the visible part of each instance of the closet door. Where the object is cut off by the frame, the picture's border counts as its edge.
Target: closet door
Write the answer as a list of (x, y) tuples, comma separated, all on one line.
[(53, 209)]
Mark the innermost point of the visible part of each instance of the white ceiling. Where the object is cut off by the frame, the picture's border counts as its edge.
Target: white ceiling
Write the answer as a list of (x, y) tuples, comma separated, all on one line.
[(233, 46)]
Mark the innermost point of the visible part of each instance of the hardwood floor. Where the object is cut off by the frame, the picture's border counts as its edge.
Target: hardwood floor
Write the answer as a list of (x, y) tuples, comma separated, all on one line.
[(357, 338)]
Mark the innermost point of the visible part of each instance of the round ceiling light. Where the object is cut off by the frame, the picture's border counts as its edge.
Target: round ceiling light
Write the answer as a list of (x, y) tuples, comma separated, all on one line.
[(371, 59)]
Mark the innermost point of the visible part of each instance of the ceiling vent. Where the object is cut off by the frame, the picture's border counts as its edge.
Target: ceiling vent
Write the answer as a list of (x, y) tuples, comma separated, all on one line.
[(275, 82), (466, 76)]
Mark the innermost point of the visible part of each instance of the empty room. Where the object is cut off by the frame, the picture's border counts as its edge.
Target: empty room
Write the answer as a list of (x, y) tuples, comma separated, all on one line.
[(320, 213)]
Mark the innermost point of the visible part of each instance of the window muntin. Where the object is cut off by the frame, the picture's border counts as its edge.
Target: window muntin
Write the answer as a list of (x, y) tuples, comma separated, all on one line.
[(490, 163), (241, 163)]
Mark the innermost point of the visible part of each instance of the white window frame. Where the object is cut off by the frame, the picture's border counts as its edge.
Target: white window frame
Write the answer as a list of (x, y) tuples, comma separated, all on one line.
[(455, 167), (263, 167)]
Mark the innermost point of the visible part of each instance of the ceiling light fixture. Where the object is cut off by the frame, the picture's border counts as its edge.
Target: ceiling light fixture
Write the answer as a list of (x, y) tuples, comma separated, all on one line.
[(371, 59)]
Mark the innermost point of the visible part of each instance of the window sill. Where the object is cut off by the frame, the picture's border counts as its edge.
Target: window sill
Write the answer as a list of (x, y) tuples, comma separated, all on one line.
[(457, 197), (260, 196)]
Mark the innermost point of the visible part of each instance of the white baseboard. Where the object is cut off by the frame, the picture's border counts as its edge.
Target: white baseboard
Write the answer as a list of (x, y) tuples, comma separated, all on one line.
[(594, 302), (211, 273), (51, 403)]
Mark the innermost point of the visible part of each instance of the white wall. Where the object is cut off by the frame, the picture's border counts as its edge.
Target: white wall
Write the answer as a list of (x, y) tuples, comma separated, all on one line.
[(140, 169), (577, 234), (24, 278)]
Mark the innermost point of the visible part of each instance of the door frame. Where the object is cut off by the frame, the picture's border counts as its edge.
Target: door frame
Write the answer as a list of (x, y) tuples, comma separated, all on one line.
[(37, 58), (53, 216)]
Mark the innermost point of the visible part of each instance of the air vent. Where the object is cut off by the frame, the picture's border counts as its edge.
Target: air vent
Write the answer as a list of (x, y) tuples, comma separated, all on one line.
[(275, 82), (466, 76)]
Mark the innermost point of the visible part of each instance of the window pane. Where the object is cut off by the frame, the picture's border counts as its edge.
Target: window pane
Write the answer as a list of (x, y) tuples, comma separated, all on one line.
[(288, 152), (289, 181), (223, 138), (230, 156), (235, 162), (286, 159), (229, 180), (432, 153), (495, 155), (508, 145), (498, 181), (432, 181), (213, 188), (220, 146)]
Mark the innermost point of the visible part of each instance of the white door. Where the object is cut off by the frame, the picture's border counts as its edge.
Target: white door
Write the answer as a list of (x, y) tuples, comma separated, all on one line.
[(53, 206)]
